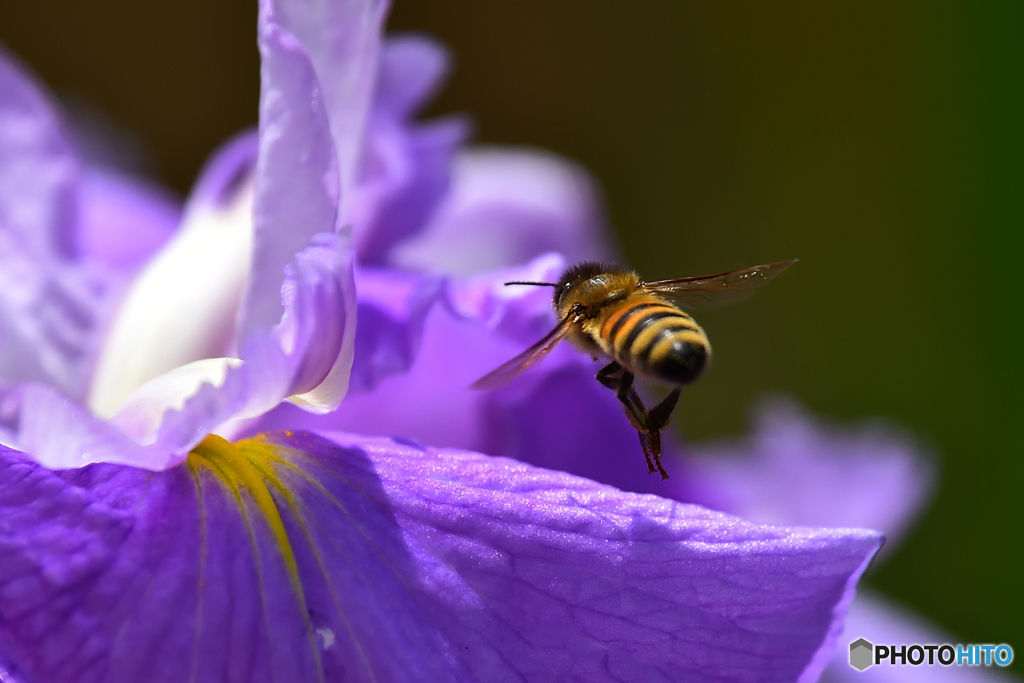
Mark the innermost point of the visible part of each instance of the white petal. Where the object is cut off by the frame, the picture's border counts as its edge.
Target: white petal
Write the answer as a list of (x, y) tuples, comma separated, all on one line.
[(142, 412), (183, 306)]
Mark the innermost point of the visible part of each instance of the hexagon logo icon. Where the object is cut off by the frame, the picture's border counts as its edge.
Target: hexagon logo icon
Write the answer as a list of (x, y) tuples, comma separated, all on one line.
[(861, 654)]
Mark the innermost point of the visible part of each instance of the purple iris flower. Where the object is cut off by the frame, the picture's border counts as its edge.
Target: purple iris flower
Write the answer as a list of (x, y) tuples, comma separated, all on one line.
[(185, 495), (435, 316)]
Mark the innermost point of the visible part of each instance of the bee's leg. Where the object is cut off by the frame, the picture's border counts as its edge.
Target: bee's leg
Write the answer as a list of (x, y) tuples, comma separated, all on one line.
[(650, 423), (614, 376), (610, 375), (658, 417), (656, 420), (631, 400), (654, 437), (637, 414)]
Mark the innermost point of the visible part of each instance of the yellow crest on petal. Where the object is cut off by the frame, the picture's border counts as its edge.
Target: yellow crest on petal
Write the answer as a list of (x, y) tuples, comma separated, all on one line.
[(247, 467)]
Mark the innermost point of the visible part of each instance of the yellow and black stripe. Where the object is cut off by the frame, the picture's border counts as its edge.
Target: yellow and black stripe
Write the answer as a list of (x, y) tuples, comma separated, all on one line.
[(652, 337)]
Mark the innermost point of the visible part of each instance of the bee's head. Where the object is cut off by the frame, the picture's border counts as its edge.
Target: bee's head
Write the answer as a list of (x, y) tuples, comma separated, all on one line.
[(580, 283), (576, 275), (590, 284)]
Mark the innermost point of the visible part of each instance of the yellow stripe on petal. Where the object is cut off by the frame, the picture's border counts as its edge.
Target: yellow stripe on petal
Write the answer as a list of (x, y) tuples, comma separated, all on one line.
[(246, 466), (246, 469)]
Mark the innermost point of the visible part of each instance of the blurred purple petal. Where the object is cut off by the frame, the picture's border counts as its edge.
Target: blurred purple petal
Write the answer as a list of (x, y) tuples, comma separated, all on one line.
[(431, 403), (8, 673), (404, 178), (123, 220), (507, 206), (38, 169), (228, 171), (882, 622), (51, 315), (393, 307), (412, 68), (522, 313), (50, 306), (366, 560), (797, 472), (404, 167)]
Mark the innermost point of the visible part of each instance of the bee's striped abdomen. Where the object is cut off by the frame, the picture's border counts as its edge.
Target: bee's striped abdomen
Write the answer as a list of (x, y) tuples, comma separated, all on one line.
[(649, 336)]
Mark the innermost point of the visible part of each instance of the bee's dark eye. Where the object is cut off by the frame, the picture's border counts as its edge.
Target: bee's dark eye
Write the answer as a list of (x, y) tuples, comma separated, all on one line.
[(560, 292)]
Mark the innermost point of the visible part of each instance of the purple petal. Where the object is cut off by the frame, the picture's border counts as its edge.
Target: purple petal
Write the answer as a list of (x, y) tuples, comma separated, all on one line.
[(61, 433), (38, 170), (227, 172), (366, 560), (342, 41), (249, 389), (431, 403), (393, 308), (411, 70), (123, 221), (307, 360), (405, 177), (797, 472), (879, 621), (296, 176), (50, 306), (445, 339), (521, 313), (8, 673), (316, 331), (404, 167), (157, 427), (51, 317), (653, 586), (507, 206)]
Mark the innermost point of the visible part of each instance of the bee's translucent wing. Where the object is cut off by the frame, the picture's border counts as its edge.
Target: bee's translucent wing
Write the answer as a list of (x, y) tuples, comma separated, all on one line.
[(502, 374), (712, 290)]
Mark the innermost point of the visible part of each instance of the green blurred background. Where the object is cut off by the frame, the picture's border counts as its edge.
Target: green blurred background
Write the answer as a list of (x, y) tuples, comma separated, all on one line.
[(879, 142)]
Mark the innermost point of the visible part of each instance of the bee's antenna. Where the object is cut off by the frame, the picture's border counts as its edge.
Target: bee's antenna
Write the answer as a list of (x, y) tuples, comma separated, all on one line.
[(538, 284)]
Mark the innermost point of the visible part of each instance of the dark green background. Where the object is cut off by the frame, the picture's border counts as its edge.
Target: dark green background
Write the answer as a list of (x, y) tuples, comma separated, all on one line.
[(879, 142)]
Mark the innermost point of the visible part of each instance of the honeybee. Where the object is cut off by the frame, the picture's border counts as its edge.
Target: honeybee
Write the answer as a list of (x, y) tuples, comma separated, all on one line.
[(641, 328)]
